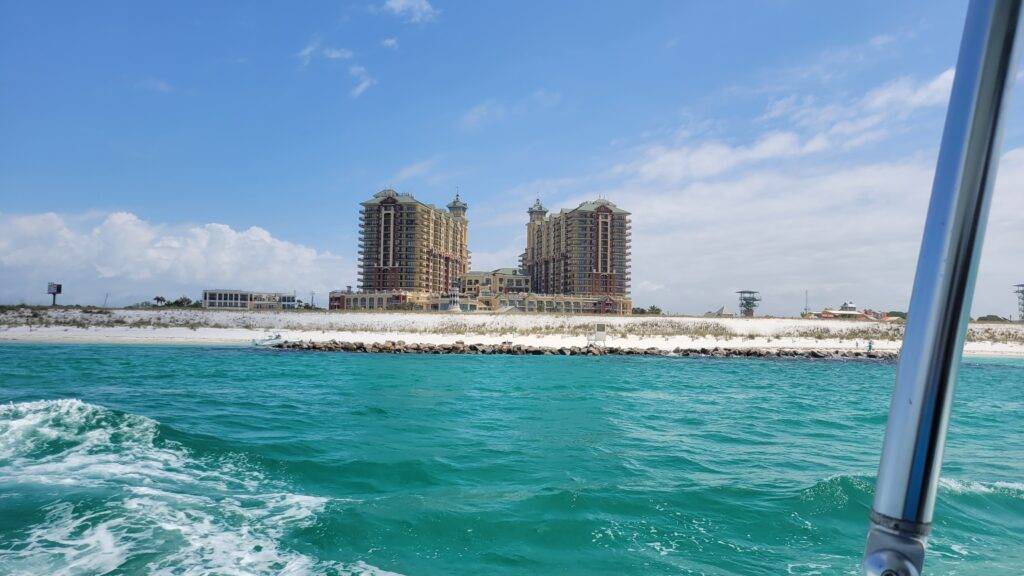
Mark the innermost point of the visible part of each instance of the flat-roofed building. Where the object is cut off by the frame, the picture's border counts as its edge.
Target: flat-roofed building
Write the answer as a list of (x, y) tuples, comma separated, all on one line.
[(408, 246), (246, 300)]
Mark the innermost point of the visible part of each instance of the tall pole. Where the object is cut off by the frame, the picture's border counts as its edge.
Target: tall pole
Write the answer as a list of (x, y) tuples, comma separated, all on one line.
[(915, 436)]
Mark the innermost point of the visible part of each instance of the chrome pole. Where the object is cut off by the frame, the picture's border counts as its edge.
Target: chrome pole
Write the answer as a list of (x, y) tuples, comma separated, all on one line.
[(940, 303)]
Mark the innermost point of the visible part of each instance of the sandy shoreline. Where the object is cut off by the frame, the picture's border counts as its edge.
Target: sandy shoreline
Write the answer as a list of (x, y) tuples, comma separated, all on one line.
[(199, 327)]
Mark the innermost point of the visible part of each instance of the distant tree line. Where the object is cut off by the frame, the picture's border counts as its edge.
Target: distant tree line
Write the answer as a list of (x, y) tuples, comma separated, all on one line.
[(993, 318), (650, 310), (161, 302)]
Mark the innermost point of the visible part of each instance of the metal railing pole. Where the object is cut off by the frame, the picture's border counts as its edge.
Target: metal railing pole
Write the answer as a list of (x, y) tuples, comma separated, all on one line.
[(940, 303)]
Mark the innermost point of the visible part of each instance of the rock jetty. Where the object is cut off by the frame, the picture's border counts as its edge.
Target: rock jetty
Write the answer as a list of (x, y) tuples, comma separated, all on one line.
[(460, 347)]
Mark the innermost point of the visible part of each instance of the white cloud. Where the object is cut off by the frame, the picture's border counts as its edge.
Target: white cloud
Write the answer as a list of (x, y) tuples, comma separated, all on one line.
[(906, 94), (834, 63), (869, 118), (689, 161), (132, 259), (390, 43), (493, 111), (309, 51), (155, 85), (315, 49), (841, 230), (412, 10), (500, 258), (546, 99), (414, 170), (337, 53), (788, 209), (481, 114), (363, 80), (881, 40)]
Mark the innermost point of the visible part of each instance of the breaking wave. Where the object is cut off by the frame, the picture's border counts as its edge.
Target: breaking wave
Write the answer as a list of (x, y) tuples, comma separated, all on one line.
[(122, 497)]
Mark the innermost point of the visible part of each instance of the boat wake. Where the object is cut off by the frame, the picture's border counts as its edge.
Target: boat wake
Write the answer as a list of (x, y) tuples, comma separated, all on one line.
[(95, 490)]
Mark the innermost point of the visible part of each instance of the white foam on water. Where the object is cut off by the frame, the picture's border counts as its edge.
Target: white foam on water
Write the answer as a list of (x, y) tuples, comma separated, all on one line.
[(1012, 489), (161, 507)]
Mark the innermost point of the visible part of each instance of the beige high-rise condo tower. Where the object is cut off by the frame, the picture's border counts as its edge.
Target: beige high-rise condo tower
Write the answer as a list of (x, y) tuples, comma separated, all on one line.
[(410, 246), (584, 251)]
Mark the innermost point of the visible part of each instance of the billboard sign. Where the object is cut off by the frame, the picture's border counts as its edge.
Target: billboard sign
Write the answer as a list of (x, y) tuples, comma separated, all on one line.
[(53, 288)]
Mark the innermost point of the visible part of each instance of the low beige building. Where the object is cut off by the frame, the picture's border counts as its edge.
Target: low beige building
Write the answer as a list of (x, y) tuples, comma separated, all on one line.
[(379, 300), (482, 299), (501, 281), (555, 303)]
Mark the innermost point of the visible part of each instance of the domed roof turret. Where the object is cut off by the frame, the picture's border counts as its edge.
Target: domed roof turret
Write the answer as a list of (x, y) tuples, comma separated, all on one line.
[(537, 208), (457, 204)]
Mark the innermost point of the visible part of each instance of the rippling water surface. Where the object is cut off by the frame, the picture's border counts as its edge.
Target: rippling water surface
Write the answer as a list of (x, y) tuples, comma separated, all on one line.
[(193, 460)]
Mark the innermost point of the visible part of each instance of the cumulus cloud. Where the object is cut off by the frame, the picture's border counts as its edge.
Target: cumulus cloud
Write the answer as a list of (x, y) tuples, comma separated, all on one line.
[(133, 259), (782, 211), (390, 43), (844, 231), (411, 10)]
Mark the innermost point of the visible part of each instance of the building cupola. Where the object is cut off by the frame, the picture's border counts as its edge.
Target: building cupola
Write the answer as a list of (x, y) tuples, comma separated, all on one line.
[(537, 211), (457, 207)]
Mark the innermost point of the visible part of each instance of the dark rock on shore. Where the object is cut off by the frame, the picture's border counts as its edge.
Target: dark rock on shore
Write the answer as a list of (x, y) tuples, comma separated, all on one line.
[(460, 347)]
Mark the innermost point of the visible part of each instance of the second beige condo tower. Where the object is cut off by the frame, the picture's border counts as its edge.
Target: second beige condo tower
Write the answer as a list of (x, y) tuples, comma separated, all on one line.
[(583, 251)]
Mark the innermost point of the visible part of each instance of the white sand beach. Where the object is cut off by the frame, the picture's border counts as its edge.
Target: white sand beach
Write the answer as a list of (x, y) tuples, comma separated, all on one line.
[(215, 327)]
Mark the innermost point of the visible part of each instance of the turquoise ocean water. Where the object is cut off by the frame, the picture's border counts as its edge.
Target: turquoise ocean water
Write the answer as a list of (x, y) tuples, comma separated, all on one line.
[(204, 460)]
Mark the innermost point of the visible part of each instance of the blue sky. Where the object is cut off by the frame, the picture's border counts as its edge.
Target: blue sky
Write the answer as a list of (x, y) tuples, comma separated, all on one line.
[(779, 146)]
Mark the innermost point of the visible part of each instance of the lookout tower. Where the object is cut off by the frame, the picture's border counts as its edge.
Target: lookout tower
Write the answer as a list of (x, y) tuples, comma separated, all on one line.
[(1020, 301), (749, 300)]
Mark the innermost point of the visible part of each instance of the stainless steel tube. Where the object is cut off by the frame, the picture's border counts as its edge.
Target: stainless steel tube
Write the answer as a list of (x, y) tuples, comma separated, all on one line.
[(908, 474)]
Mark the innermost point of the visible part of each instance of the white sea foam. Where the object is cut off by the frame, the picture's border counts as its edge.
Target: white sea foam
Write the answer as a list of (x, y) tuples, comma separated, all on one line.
[(130, 499), (1015, 489)]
